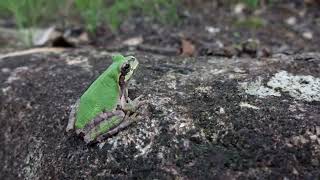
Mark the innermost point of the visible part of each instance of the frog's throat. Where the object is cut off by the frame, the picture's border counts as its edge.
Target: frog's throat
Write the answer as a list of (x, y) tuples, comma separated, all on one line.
[(122, 86), (123, 98)]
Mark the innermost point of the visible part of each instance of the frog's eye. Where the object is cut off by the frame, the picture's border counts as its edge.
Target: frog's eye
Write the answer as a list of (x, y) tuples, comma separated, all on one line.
[(126, 66), (125, 69)]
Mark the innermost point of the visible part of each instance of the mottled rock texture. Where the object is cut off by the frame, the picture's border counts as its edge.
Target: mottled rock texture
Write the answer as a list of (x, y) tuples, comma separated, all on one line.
[(207, 117)]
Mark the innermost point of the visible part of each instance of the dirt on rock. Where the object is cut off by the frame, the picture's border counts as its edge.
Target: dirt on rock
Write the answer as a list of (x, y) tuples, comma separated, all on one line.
[(207, 117)]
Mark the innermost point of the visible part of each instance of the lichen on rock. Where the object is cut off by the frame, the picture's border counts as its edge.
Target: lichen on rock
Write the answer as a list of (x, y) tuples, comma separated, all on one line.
[(298, 86)]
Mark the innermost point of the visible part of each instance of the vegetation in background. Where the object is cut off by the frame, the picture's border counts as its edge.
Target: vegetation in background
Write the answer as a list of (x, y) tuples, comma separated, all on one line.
[(19, 10), (98, 11), (27, 14), (163, 10), (251, 3), (91, 11), (30, 13)]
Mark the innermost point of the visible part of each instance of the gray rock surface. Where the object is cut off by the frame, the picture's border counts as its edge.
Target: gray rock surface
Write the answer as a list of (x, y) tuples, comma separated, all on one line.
[(207, 117)]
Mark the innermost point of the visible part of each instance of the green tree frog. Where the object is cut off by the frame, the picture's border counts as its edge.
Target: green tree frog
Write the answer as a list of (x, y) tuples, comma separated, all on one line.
[(105, 108)]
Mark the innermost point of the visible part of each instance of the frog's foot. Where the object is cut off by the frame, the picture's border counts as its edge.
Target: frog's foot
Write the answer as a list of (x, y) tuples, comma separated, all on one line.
[(72, 116), (133, 105), (128, 120), (101, 124)]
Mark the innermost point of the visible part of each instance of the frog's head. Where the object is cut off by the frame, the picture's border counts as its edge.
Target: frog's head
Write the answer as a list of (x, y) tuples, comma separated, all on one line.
[(128, 65)]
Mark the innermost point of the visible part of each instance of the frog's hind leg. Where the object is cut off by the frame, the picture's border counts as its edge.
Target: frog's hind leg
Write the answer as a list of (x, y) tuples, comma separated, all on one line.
[(100, 118), (128, 120), (101, 124), (131, 117), (72, 116)]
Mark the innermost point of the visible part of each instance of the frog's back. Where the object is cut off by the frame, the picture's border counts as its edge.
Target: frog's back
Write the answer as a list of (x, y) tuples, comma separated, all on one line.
[(102, 95)]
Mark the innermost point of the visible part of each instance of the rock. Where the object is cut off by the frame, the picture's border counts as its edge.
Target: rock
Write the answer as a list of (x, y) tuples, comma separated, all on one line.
[(251, 47), (291, 20), (204, 120)]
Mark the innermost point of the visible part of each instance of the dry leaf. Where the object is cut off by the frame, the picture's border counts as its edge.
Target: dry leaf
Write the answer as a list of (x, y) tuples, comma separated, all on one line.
[(187, 49)]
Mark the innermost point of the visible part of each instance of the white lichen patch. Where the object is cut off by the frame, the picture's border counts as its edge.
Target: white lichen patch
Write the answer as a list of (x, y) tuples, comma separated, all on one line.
[(217, 71), (203, 89), (181, 124), (247, 105), (171, 81), (300, 87), (144, 150), (6, 90), (238, 70), (257, 89)]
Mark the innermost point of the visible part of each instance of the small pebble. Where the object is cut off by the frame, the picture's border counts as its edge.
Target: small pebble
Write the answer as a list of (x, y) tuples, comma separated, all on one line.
[(238, 9), (318, 130), (315, 162), (221, 110), (307, 35), (291, 21), (212, 30), (313, 137), (5, 70)]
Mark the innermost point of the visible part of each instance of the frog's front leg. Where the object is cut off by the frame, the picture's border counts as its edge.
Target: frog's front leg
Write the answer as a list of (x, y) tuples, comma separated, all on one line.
[(129, 105)]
